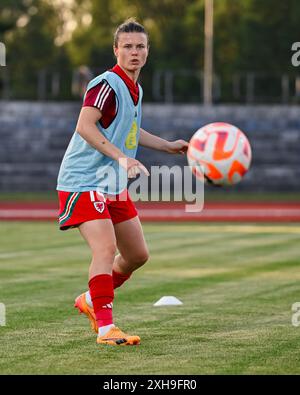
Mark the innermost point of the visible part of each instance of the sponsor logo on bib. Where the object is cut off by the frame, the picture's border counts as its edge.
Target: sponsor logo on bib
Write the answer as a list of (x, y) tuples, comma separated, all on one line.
[(131, 142)]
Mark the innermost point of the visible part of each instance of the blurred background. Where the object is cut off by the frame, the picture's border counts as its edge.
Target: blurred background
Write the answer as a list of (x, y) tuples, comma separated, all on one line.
[(53, 48), (235, 266)]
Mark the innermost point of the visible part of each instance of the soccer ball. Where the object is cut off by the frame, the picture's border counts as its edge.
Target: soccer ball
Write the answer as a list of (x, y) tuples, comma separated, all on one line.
[(219, 154)]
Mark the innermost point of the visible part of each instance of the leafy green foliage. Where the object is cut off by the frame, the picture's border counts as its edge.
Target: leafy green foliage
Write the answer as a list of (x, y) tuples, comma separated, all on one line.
[(249, 35)]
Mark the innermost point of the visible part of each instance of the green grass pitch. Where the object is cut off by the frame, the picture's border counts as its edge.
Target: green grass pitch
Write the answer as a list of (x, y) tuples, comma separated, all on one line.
[(237, 283)]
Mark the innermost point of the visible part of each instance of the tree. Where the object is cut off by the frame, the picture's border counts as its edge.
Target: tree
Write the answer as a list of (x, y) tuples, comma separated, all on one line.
[(30, 34)]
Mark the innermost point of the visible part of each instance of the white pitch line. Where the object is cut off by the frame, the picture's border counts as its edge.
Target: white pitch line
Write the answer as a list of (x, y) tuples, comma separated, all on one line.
[(6, 255)]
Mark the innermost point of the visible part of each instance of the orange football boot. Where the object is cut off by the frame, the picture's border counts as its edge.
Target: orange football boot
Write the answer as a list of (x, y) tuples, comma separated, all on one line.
[(84, 308), (115, 337)]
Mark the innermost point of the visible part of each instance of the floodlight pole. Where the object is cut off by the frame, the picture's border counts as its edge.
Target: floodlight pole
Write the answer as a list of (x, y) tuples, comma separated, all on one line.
[(208, 51)]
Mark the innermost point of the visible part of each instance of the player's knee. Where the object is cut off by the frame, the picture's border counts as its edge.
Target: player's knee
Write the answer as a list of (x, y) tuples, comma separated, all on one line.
[(141, 257), (106, 251)]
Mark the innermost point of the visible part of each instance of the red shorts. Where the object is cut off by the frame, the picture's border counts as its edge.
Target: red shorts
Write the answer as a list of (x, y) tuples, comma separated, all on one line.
[(78, 207)]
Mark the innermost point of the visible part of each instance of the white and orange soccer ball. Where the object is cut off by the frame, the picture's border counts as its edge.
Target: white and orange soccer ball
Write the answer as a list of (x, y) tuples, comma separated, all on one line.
[(219, 154)]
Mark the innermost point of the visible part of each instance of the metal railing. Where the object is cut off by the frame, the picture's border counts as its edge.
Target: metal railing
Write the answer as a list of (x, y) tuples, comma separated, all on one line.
[(168, 86), (247, 87)]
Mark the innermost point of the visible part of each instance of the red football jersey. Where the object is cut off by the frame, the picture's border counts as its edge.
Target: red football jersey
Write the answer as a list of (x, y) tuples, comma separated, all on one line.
[(103, 97)]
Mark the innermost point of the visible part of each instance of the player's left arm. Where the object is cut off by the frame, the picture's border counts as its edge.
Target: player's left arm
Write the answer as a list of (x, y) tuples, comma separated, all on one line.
[(172, 147)]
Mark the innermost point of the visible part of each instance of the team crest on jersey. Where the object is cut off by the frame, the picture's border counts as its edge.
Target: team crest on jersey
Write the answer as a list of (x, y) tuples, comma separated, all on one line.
[(99, 206)]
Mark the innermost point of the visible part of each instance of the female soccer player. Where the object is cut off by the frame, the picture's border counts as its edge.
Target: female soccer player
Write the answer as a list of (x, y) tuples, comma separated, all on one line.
[(91, 183)]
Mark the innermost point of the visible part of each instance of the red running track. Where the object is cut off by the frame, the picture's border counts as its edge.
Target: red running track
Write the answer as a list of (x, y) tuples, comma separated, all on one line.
[(169, 211)]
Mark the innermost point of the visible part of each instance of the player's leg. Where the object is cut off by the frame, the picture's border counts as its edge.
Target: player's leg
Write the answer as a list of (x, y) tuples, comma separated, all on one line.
[(133, 250), (99, 234), (133, 253), (120, 211), (130, 238)]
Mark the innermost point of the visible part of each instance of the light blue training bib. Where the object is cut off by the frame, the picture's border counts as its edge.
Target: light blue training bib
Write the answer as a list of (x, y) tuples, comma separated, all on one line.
[(83, 168)]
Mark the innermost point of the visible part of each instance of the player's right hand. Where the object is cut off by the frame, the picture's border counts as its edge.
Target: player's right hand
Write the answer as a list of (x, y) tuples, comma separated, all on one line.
[(133, 167)]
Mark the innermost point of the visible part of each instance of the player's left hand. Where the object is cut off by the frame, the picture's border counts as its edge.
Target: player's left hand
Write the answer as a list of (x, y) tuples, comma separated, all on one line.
[(177, 147)]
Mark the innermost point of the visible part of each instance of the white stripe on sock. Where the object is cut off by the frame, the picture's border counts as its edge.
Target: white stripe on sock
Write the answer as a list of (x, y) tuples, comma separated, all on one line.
[(103, 330), (88, 298)]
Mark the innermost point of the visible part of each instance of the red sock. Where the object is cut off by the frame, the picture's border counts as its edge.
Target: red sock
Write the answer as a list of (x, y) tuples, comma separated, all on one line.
[(119, 278), (102, 295)]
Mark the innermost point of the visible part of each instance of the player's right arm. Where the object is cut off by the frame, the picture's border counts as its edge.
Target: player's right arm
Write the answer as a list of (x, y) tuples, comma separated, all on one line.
[(86, 127), (88, 130)]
